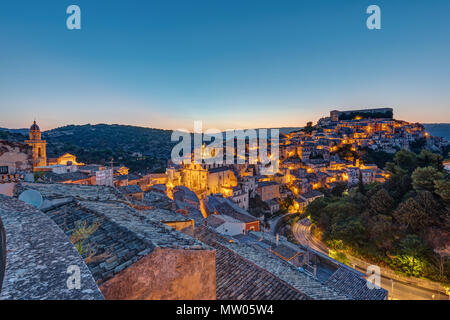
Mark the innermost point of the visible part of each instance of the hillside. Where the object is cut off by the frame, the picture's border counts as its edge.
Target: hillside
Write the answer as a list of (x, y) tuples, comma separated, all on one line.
[(438, 129), (11, 136), (141, 149)]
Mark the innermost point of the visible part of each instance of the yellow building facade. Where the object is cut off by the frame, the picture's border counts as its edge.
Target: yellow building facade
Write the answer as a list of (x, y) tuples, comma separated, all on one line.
[(65, 159)]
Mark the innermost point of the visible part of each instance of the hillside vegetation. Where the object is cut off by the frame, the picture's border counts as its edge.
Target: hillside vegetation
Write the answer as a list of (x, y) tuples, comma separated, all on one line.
[(140, 149), (403, 223)]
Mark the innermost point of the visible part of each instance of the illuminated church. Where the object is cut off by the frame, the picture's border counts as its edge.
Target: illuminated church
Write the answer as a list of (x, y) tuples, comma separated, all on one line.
[(40, 151)]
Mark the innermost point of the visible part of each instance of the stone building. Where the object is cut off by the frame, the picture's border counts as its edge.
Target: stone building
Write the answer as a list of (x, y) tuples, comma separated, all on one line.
[(15, 157), (268, 190), (206, 179)]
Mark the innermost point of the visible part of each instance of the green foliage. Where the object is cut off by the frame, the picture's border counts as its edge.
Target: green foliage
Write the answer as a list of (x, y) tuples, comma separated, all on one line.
[(427, 158), (381, 231), (417, 145), (286, 203), (392, 223), (380, 158), (38, 175), (257, 207), (12, 136), (315, 209), (423, 179), (381, 203), (442, 188), (339, 189), (405, 162), (339, 256), (101, 143), (81, 234), (412, 250)]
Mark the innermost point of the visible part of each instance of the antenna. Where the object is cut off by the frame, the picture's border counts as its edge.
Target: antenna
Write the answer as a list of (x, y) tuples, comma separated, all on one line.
[(32, 197)]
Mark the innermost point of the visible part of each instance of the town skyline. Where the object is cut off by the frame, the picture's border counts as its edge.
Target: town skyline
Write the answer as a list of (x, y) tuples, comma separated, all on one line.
[(44, 128), (229, 64)]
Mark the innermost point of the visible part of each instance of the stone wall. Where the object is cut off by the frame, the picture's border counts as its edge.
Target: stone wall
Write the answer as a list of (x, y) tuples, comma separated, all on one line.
[(166, 274), (7, 189), (16, 156)]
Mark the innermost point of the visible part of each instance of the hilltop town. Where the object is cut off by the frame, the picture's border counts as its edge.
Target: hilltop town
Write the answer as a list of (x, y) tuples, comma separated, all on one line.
[(218, 222)]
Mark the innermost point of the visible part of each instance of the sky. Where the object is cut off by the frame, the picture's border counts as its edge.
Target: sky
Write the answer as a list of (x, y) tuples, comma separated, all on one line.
[(229, 63)]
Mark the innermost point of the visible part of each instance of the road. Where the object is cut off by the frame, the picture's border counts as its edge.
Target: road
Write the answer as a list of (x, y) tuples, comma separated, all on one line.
[(273, 222), (397, 291)]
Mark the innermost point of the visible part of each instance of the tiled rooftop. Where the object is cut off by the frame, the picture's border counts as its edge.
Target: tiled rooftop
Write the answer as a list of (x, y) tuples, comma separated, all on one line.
[(55, 191), (354, 287), (279, 268), (113, 246), (226, 209), (241, 279), (144, 226), (130, 189)]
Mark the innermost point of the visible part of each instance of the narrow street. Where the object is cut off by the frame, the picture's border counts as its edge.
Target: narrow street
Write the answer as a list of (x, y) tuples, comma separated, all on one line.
[(397, 290)]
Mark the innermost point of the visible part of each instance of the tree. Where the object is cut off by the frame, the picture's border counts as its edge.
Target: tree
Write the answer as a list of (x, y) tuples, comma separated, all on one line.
[(315, 210), (405, 162), (339, 189), (424, 178), (381, 203), (439, 240), (410, 215), (398, 186), (351, 230), (442, 189), (429, 205), (412, 249), (361, 183), (381, 230), (427, 158), (257, 207), (286, 203)]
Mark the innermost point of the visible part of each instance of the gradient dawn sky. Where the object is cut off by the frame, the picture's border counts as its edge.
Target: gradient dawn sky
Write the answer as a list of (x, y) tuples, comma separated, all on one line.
[(229, 63)]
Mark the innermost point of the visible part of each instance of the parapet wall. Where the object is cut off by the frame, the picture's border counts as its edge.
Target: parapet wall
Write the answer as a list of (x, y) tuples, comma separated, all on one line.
[(166, 274)]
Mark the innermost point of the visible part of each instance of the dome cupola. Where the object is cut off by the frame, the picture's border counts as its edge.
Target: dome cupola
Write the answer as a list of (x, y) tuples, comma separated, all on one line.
[(34, 127)]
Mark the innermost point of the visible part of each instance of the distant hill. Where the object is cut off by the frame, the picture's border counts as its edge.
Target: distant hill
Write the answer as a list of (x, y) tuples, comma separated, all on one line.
[(11, 136), (438, 129), (22, 131), (141, 149)]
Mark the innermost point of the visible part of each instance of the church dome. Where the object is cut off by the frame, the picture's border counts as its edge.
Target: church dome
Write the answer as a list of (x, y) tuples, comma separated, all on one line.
[(35, 127)]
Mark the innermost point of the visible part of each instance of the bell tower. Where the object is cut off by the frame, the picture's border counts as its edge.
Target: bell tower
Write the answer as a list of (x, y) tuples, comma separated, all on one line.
[(38, 145)]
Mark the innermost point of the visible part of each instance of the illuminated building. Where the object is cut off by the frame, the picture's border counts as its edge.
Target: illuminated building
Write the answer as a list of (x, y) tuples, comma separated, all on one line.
[(38, 145)]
